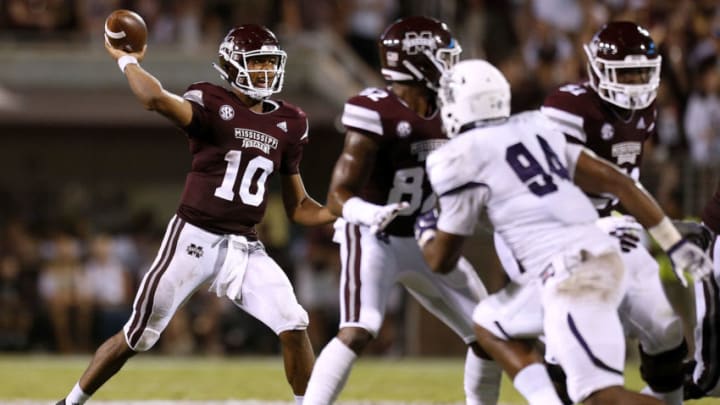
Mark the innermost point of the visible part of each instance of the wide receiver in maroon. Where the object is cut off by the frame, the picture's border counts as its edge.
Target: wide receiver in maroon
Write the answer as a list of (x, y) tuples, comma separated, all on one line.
[(239, 139), (381, 171)]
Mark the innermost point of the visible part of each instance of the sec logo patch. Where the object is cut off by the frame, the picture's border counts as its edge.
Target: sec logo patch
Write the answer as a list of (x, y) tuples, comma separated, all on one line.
[(403, 129), (607, 132), (226, 112)]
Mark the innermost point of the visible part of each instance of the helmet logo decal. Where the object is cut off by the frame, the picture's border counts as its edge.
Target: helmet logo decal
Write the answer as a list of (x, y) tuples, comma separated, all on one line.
[(226, 112), (228, 44), (414, 43), (403, 129)]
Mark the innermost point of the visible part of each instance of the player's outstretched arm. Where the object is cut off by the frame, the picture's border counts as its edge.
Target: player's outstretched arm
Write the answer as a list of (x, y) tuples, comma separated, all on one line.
[(596, 175), (300, 207), (148, 90)]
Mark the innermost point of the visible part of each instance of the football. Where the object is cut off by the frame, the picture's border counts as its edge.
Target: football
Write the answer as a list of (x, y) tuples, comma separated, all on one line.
[(125, 30)]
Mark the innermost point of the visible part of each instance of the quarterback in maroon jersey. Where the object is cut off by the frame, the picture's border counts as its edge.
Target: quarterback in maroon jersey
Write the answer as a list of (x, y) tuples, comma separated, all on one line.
[(239, 139), (613, 114), (381, 173)]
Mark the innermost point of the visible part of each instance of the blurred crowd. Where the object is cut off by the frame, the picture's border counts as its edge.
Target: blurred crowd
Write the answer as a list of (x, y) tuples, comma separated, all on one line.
[(537, 43), (67, 278)]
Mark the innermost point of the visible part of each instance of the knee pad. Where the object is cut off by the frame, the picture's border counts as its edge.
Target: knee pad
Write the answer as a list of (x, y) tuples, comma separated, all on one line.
[(663, 372)]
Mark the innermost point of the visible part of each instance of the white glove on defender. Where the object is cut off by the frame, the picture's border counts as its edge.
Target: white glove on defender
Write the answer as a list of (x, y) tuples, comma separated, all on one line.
[(625, 228), (684, 255), (687, 257), (360, 212)]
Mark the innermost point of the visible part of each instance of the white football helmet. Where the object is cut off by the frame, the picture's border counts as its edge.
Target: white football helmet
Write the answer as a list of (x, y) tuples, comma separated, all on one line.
[(472, 92)]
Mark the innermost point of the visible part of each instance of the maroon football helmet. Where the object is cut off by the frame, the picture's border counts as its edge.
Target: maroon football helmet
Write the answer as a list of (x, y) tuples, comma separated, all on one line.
[(417, 49), (246, 42), (618, 49)]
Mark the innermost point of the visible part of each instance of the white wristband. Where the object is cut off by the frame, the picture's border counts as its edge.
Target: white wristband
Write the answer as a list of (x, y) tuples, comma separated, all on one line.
[(359, 212), (125, 60), (665, 234)]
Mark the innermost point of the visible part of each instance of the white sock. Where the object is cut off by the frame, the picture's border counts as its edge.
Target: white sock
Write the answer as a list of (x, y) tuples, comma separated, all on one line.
[(299, 399), (482, 380), (329, 374), (534, 383), (76, 396), (671, 398)]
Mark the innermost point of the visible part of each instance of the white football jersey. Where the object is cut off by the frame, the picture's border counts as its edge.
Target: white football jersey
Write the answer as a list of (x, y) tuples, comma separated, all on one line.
[(521, 170)]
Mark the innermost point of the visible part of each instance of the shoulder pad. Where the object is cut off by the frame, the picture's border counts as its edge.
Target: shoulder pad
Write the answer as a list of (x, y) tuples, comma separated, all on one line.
[(364, 111), (450, 167), (200, 92), (290, 110), (568, 106), (295, 120)]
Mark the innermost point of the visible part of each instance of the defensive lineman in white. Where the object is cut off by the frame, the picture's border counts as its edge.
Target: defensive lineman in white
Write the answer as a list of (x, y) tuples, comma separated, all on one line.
[(522, 169)]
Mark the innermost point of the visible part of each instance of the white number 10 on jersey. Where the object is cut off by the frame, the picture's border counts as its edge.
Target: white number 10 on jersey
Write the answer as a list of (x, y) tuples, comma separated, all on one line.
[(248, 197)]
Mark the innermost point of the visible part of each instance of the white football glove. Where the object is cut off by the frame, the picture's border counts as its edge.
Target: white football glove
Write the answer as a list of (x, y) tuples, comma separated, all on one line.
[(385, 215), (377, 217), (687, 257), (696, 233), (623, 227)]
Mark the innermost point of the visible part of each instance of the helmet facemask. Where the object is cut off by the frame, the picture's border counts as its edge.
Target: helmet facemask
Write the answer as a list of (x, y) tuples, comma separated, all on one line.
[(442, 60), (238, 62), (605, 78), (448, 57)]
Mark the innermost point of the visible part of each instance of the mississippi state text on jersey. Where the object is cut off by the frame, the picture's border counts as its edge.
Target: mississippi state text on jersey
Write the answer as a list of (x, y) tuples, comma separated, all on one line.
[(235, 152), (586, 119), (405, 139)]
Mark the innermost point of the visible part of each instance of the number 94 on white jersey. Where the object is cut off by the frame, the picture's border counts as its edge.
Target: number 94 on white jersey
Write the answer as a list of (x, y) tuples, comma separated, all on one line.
[(521, 171)]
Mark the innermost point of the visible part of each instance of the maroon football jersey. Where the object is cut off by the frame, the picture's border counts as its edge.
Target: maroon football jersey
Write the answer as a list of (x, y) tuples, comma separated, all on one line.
[(404, 139), (235, 153), (587, 119)]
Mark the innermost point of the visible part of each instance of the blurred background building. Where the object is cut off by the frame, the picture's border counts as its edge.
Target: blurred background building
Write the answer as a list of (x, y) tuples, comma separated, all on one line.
[(88, 179)]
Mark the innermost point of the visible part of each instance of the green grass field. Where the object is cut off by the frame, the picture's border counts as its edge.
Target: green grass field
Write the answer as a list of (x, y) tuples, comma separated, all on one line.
[(42, 379)]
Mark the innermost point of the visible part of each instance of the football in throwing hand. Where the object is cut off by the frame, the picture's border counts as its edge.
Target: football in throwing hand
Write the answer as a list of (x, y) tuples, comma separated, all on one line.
[(125, 30)]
